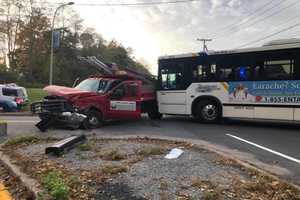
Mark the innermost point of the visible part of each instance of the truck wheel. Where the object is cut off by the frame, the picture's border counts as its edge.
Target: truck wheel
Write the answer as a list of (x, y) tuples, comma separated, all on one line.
[(94, 119), (208, 111)]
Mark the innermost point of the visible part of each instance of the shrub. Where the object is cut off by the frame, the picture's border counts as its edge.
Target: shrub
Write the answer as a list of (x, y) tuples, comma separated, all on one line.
[(55, 185)]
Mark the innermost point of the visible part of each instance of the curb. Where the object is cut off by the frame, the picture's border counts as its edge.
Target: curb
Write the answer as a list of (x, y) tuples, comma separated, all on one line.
[(29, 183)]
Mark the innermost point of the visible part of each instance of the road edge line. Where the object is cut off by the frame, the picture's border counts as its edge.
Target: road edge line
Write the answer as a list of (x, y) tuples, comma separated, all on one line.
[(265, 148)]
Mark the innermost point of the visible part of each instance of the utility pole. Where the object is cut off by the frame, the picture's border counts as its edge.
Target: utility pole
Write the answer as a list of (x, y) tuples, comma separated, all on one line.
[(204, 40), (52, 29)]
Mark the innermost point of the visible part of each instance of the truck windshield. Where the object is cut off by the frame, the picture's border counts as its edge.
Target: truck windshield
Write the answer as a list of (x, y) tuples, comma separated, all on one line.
[(93, 85)]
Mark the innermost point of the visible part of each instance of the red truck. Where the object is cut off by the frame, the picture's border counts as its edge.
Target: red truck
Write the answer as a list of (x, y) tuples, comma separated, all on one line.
[(124, 95)]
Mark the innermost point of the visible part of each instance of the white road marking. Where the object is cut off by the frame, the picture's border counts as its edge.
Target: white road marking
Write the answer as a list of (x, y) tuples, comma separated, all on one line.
[(266, 149)]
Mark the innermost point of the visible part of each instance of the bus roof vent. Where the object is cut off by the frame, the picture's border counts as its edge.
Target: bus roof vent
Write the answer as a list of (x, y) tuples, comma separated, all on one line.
[(282, 42)]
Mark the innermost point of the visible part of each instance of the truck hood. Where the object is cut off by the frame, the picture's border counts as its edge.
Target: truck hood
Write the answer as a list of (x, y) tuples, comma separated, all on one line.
[(66, 92)]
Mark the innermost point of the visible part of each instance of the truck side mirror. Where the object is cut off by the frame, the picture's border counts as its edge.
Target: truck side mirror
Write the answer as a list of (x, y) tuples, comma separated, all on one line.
[(117, 93)]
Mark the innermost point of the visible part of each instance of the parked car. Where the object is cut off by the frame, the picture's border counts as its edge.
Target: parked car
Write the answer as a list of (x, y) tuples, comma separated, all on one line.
[(12, 97)]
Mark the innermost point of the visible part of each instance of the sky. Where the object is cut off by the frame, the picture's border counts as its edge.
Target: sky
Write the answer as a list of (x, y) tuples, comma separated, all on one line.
[(153, 31)]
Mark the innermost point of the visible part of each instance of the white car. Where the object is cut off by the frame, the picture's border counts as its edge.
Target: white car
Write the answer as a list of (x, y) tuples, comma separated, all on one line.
[(12, 97)]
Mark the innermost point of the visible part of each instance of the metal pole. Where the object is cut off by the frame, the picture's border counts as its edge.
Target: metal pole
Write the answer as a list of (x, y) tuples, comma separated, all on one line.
[(52, 28), (204, 40)]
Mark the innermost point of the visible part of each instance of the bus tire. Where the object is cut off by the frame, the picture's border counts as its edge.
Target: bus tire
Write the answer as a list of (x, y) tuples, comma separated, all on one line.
[(94, 119), (208, 111)]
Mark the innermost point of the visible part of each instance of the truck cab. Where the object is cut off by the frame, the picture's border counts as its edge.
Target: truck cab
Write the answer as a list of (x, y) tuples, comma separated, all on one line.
[(100, 99)]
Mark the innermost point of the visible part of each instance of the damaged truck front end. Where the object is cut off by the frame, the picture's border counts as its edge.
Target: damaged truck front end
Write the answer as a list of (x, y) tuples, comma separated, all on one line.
[(57, 111)]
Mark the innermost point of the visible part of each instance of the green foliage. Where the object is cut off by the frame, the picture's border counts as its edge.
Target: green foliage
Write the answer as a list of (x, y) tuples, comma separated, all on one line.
[(55, 185)]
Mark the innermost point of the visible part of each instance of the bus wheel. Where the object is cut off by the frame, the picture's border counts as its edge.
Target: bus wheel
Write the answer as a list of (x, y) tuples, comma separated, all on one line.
[(94, 119), (208, 111)]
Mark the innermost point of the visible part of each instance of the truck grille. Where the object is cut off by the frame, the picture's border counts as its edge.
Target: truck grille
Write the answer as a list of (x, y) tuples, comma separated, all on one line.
[(50, 106)]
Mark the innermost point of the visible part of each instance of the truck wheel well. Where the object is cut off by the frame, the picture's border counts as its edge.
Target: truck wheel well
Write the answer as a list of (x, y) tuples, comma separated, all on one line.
[(205, 98), (94, 108)]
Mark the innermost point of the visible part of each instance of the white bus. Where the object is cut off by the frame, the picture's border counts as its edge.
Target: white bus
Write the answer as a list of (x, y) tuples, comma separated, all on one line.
[(254, 83)]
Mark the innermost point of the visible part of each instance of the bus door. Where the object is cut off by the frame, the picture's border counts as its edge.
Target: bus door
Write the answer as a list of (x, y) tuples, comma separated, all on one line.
[(172, 94)]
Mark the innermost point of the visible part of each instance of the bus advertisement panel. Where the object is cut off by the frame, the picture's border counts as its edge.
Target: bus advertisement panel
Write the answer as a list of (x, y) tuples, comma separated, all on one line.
[(275, 92)]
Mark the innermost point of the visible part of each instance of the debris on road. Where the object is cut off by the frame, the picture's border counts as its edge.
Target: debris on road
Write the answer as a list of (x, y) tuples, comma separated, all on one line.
[(65, 145), (174, 153)]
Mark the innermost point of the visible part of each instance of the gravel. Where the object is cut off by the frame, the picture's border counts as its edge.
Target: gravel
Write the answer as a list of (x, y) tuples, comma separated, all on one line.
[(156, 176), (152, 177), (77, 159)]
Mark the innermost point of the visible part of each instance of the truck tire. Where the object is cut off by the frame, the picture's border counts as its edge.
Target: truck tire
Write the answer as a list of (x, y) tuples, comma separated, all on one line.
[(94, 119), (208, 111)]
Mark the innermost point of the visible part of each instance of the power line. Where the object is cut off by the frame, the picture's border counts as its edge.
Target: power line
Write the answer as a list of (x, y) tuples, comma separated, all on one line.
[(271, 35), (133, 4), (247, 16), (268, 16)]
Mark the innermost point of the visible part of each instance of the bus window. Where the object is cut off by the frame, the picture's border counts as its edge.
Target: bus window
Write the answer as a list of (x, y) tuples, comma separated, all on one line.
[(278, 69), (257, 72), (243, 73), (171, 79), (226, 74), (213, 69), (203, 73), (200, 73)]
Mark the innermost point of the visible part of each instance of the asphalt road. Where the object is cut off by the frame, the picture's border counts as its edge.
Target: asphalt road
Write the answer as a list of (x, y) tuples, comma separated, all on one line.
[(272, 146)]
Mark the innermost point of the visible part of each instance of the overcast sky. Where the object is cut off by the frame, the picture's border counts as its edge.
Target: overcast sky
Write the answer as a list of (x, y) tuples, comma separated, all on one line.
[(158, 30)]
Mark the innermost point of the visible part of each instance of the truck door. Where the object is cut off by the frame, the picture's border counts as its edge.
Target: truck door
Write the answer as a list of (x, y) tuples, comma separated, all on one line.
[(125, 101)]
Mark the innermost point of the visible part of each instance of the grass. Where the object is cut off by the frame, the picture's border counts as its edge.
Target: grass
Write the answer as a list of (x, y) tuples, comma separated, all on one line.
[(55, 185), (113, 155), (114, 169), (150, 151), (21, 140), (34, 94), (85, 147)]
